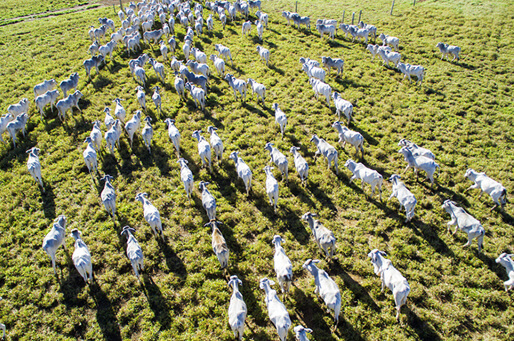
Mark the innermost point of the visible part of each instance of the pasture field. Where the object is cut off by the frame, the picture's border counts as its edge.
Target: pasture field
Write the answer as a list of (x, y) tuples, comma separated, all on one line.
[(12, 10), (463, 112)]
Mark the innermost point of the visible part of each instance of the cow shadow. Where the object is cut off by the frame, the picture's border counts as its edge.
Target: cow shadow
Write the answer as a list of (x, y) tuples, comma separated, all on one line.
[(105, 314), (101, 82), (48, 197), (321, 196), (298, 190), (429, 233), (311, 313), (228, 232), (276, 69), (358, 291), (466, 65), (423, 329), (446, 193), (71, 286), (294, 224), (507, 218), (157, 302), (499, 270), (110, 164)]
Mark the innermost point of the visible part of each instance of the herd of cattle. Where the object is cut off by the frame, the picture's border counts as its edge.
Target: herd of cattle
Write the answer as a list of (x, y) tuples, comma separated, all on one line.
[(137, 21)]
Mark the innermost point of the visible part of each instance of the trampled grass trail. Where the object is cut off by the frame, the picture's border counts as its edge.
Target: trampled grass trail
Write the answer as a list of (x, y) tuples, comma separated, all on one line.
[(462, 112)]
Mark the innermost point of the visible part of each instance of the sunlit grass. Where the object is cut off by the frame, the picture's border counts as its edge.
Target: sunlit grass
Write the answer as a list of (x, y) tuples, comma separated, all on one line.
[(463, 113)]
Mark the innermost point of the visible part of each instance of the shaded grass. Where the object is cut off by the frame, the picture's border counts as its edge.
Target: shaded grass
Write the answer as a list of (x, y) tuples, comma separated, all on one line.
[(462, 112)]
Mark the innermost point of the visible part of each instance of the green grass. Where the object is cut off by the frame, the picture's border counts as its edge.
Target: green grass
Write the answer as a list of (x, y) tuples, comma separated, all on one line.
[(463, 112), (10, 9)]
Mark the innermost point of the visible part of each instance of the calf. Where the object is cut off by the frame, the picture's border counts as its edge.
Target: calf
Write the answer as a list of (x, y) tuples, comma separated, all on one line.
[(352, 137), (81, 257), (391, 278), (34, 166), (465, 222), (326, 288), (323, 236), (134, 251), (277, 311), (48, 97), (243, 171), (497, 192), (448, 49), (67, 104), (219, 245), (507, 261), (325, 149), (19, 123), (367, 175), (404, 196), (278, 159)]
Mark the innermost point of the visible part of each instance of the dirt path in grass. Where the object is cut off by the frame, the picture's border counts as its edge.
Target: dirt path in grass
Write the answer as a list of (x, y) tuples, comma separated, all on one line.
[(49, 14)]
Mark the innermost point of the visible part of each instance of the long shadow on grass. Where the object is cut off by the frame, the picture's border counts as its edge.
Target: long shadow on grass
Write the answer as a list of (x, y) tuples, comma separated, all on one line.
[(71, 286), (348, 82), (276, 69), (424, 330), (105, 314), (83, 104), (173, 261), (431, 91), (265, 112), (51, 120), (298, 190), (507, 218), (492, 265), (157, 302), (359, 292), (346, 331), (115, 66), (228, 232), (446, 193), (159, 157), (466, 65), (295, 224), (110, 164), (230, 185), (101, 82), (429, 233), (48, 201), (334, 43), (311, 312), (321, 196)]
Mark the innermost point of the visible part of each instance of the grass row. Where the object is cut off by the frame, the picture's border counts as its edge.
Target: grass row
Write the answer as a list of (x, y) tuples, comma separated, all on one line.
[(462, 112)]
